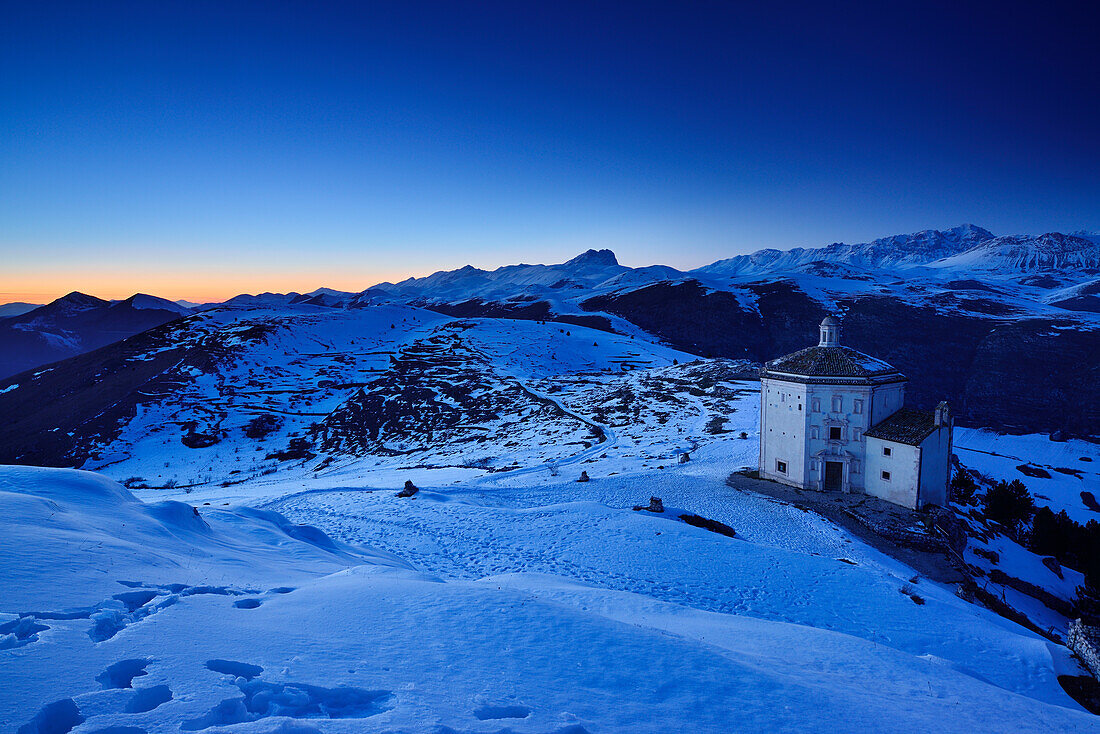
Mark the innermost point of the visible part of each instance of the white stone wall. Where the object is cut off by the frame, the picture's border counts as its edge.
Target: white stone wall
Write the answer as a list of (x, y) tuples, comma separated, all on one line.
[(888, 399), (783, 430), (903, 465), (935, 467), (847, 407), (796, 422)]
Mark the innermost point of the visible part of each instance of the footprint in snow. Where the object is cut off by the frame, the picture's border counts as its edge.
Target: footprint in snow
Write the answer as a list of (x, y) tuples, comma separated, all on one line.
[(263, 699), (122, 673), (147, 699), (59, 717), (233, 668)]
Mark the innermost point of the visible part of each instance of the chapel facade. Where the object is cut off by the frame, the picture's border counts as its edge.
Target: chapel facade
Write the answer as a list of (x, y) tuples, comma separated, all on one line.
[(834, 419)]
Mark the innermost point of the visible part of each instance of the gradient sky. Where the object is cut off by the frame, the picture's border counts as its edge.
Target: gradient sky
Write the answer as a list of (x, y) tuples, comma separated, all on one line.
[(201, 149)]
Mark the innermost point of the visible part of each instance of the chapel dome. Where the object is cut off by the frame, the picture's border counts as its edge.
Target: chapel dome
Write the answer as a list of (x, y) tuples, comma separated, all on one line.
[(830, 362)]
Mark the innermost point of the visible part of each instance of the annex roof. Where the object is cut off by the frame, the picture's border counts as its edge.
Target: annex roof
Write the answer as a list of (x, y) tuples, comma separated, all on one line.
[(908, 425)]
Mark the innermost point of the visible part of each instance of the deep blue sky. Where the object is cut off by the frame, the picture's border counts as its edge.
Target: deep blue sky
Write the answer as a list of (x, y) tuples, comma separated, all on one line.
[(197, 149)]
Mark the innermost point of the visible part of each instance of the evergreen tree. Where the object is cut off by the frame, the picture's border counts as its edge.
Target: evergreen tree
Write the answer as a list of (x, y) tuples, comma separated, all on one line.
[(1008, 503), (963, 487)]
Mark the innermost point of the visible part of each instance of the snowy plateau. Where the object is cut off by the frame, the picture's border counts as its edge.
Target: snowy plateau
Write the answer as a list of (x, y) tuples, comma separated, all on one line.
[(200, 527)]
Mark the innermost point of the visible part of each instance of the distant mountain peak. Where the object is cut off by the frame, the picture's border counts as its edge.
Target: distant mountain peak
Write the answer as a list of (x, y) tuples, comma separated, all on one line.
[(595, 257), (76, 298), (145, 301), (971, 231)]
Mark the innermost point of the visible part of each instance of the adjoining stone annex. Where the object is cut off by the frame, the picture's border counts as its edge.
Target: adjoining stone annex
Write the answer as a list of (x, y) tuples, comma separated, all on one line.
[(834, 419)]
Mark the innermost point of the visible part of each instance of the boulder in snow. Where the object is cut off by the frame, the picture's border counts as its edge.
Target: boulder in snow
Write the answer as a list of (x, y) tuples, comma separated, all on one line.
[(655, 505)]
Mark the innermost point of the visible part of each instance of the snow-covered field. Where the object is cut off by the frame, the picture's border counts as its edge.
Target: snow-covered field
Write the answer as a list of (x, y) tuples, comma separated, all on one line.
[(521, 614), (231, 590)]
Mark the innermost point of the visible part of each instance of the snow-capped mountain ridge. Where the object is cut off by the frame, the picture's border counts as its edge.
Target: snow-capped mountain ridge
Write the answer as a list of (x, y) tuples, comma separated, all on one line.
[(959, 250), (902, 250), (954, 253), (587, 270), (1023, 253)]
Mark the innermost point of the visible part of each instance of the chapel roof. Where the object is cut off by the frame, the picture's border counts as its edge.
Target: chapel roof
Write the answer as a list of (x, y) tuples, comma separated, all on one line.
[(832, 362), (908, 425)]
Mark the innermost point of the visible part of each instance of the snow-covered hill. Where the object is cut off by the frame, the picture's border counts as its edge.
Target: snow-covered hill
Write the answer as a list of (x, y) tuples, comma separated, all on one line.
[(124, 617)]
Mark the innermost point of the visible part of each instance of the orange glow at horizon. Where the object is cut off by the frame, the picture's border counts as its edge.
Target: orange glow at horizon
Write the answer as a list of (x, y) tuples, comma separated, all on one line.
[(197, 287)]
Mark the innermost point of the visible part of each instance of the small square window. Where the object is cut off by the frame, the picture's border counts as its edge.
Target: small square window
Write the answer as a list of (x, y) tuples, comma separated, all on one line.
[(834, 433), (886, 451), (781, 466), (886, 476)]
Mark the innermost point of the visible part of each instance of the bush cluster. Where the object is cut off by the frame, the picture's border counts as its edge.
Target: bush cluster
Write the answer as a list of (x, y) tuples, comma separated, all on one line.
[(1073, 544)]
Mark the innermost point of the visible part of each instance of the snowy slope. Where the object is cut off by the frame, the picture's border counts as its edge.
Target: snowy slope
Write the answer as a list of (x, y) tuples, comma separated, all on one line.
[(392, 386), (227, 619)]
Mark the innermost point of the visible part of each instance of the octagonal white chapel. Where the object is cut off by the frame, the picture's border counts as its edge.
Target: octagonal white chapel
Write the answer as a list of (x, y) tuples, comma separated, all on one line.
[(834, 419)]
